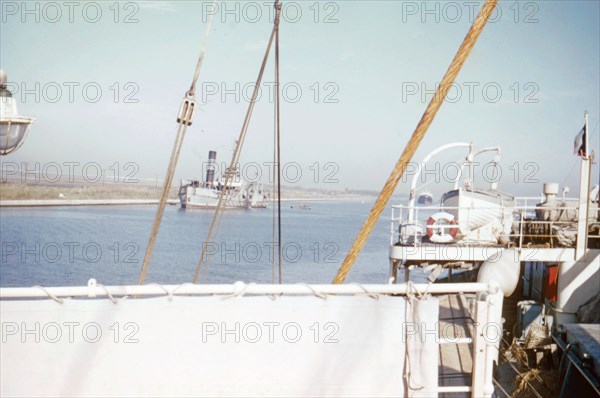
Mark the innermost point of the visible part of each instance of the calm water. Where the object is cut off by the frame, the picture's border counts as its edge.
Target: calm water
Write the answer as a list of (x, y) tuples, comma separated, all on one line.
[(68, 245)]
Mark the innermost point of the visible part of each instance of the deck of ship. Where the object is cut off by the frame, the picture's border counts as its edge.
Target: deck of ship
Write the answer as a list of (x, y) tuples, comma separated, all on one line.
[(456, 360)]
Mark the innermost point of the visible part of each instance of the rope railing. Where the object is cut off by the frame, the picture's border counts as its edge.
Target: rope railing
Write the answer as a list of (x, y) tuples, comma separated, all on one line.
[(95, 290), (416, 138)]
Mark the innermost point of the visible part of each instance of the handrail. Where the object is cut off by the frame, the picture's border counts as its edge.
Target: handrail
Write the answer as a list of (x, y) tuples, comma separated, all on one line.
[(441, 207), (527, 228), (240, 288)]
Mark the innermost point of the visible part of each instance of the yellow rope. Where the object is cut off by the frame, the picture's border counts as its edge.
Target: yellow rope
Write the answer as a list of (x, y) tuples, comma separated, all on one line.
[(426, 120), (163, 200)]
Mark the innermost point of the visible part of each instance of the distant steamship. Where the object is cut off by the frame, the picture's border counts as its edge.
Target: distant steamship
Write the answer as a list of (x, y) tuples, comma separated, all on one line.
[(205, 194)]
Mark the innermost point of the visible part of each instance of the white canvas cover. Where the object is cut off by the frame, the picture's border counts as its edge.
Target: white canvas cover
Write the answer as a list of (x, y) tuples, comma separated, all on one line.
[(211, 346)]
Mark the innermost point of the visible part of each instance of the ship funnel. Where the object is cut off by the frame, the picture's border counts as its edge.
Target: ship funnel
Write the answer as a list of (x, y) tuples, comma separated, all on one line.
[(210, 168), (550, 191), (548, 209)]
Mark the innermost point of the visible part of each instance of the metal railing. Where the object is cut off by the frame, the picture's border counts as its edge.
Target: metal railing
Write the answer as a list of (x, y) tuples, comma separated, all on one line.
[(527, 229)]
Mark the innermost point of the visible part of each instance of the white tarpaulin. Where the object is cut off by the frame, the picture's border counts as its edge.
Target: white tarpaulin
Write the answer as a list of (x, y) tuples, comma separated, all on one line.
[(210, 346), (422, 345)]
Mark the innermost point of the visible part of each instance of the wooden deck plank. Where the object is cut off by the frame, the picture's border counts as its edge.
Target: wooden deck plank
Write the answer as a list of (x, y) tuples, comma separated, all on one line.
[(455, 359)]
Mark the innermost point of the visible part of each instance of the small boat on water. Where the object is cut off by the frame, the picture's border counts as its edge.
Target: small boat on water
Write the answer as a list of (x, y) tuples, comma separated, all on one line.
[(302, 206), (425, 199), (205, 194)]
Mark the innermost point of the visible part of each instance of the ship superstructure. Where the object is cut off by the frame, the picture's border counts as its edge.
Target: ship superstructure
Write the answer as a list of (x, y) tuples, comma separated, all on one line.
[(237, 193)]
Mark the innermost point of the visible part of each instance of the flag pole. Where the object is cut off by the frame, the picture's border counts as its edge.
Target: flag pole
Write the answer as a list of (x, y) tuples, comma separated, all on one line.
[(585, 136), (584, 195)]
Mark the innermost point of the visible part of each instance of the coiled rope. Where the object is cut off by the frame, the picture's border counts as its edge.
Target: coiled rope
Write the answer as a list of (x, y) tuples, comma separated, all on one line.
[(426, 120)]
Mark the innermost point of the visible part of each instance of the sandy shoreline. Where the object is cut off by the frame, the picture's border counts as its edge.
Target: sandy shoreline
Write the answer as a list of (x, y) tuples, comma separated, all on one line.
[(134, 202), (80, 202)]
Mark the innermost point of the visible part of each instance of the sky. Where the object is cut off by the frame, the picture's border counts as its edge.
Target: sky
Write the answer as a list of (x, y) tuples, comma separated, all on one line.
[(105, 80)]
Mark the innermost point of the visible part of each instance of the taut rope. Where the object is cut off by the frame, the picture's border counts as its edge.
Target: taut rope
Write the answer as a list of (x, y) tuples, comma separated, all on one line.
[(223, 197), (426, 120), (184, 118), (278, 133)]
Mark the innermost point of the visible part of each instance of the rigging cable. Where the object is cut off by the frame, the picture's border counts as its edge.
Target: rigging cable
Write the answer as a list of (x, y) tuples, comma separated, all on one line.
[(278, 102), (274, 190), (184, 119), (223, 198), (426, 120)]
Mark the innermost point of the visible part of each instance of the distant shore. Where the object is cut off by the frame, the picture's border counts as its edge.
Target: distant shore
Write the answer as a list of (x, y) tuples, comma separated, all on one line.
[(81, 202), (129, 202), (14, 194)]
